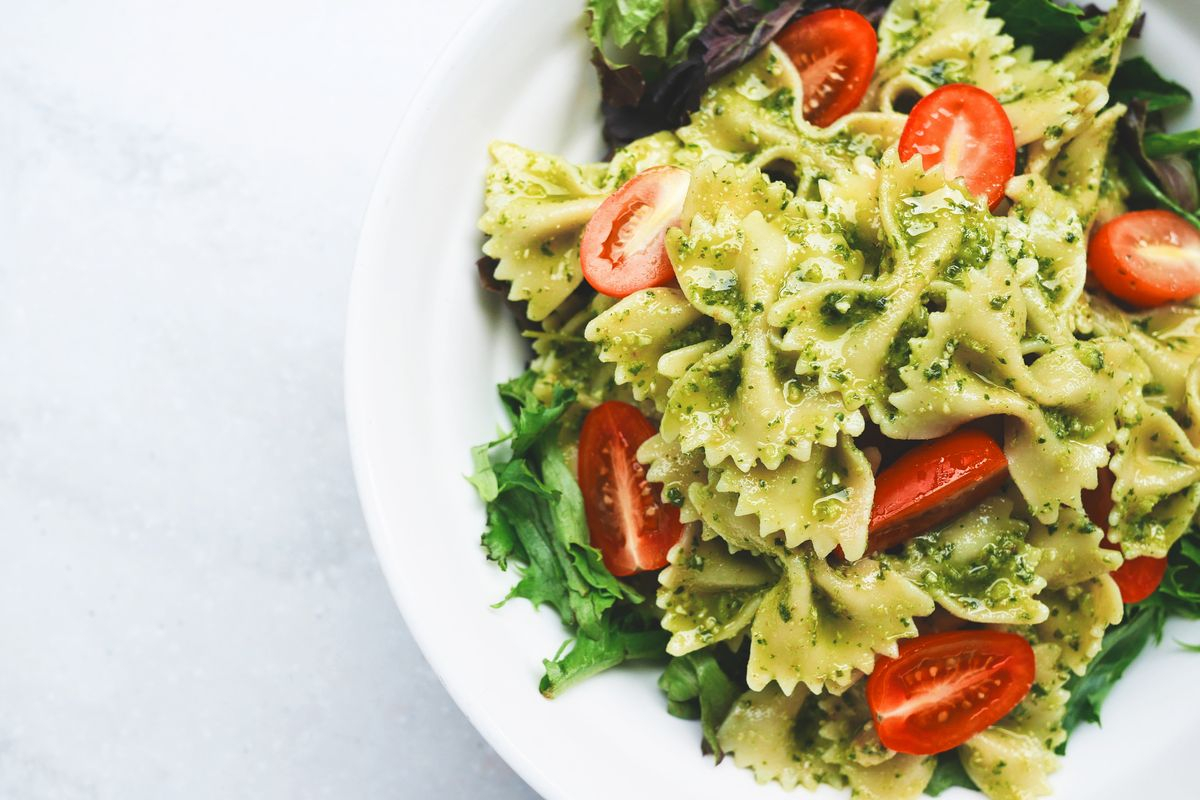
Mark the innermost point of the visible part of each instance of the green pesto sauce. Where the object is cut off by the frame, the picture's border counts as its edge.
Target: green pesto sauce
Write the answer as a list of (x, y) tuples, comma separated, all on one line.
[(835, 494), (1048, 279), (843, 310), (988, 579), (1067, 425), (974, 253), (899, 351)]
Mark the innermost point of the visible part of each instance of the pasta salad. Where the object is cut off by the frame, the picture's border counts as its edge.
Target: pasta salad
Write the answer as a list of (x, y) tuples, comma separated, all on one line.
[(865, 380)]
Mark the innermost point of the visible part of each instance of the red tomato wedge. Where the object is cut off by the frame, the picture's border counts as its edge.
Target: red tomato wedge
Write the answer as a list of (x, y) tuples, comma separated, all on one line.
[(834, 52), (1137, 578), (933, 483), (624, 243), (1147, 258), (628, 523), (943, 689), (967, 131)]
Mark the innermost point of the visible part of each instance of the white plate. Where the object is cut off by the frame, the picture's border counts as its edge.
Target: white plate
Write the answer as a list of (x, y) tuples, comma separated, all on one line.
[(425, 347)]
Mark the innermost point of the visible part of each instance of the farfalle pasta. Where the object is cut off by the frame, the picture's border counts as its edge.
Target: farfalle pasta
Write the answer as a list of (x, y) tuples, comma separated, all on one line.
[(773, 426)]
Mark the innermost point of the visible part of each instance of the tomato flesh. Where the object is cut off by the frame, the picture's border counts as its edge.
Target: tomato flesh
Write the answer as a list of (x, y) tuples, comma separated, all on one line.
[(944, 688), (834, 51), (623, 249), (1147, 258), (933, 483), (1137, 578), (627, 521), (967, 131)]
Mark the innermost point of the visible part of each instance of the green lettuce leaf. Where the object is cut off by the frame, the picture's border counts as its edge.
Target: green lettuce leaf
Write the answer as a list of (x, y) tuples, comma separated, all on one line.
[(949, 773), (530, 418), (1160, 145), (535, 513), (1051, 29), (660, 30), (698, 688), (536, 520), (1179, 593), (625, 633), (1137, 79)]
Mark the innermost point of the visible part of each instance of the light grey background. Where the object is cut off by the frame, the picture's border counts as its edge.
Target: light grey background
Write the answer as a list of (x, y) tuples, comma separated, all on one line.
[(189, 603)]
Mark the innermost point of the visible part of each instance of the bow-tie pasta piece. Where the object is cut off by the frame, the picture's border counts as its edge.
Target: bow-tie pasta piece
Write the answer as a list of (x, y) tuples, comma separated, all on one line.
[(926, 44), (1157, 460), (709, 594), (536, 207), (1071, 550), (850, 330), (777, 736), (1157, 486), (1079, 615), (823, 626), (825, 500), (803, 740), (637, 333), (745, 402), (816, 624), (1061, 403)]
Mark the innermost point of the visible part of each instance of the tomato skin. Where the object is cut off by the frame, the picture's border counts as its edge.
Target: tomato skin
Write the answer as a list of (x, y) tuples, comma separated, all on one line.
[(933, 483), (834, 51), (627, 521), (1147, 258), (967, 131), (1137, 578), (926, 700), (623, 249)]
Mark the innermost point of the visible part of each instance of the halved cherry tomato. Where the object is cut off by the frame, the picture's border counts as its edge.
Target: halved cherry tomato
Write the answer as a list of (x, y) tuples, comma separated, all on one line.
[(943, 689), (628, 523), (967, 131), (834, 52), (1147, 258), (624, 243), (933, 483), (1137, 578)]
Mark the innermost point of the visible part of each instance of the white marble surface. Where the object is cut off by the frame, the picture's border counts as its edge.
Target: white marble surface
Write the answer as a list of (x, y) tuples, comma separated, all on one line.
[(189, 603)]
